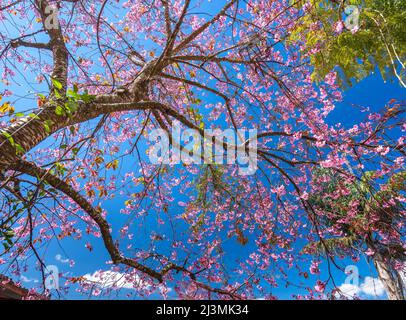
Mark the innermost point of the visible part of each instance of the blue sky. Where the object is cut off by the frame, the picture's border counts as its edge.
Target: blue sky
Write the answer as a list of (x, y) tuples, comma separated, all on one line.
[(371, 92)]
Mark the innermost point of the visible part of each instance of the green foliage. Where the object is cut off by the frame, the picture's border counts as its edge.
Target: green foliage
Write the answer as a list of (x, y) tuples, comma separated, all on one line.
[(333, 245), (336, 208), (213, 181), (371, 199), (67, 106), (6, 237), (56, 84), (18, 148), (6, 231), (212, 185), (380, 41)]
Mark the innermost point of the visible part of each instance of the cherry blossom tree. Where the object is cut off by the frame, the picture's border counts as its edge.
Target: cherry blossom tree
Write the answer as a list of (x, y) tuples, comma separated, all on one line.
[(84, 84), (358, 216)]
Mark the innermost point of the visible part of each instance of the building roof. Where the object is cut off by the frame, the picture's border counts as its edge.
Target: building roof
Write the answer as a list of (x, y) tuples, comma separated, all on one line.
[(10, 291)]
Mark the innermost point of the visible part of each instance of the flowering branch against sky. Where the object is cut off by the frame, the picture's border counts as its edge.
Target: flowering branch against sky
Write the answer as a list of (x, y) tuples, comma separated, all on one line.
[(91, 89)]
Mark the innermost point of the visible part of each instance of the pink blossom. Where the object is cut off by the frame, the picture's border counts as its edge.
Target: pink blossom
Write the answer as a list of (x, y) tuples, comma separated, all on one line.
[(314, 267), (369, 252), (338, 27), (320, 286)]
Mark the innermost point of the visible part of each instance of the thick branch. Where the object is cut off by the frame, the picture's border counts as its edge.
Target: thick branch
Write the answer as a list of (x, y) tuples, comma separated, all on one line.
[(44, 175), (22, 43), (202, 28), (57, 43), (29, 131)]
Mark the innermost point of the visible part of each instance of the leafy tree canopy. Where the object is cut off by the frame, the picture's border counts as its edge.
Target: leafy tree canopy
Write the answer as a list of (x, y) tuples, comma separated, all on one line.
[(355, 37)]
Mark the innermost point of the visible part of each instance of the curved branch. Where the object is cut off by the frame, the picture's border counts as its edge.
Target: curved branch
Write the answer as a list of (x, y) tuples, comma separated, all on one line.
[(95, 213), (44, 175)]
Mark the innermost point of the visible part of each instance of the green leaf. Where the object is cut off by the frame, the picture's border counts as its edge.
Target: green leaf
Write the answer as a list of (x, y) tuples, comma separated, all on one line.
[(19, 149), (71, 106), (9, 138), (33, 116), (59, 110), (47, 125), (9, 233), (56, 84), (72, 130), (57, 94)]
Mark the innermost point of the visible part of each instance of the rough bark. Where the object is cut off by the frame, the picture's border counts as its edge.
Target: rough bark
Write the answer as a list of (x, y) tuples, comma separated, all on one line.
[(391, 279), (30, 131)]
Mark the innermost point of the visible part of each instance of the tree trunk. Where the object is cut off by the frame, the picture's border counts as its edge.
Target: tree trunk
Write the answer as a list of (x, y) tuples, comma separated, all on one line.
[(390, 278), (29, 131)]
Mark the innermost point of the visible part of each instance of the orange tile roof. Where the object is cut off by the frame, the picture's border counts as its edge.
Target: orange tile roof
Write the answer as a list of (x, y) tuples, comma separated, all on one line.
[(10, 291)]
